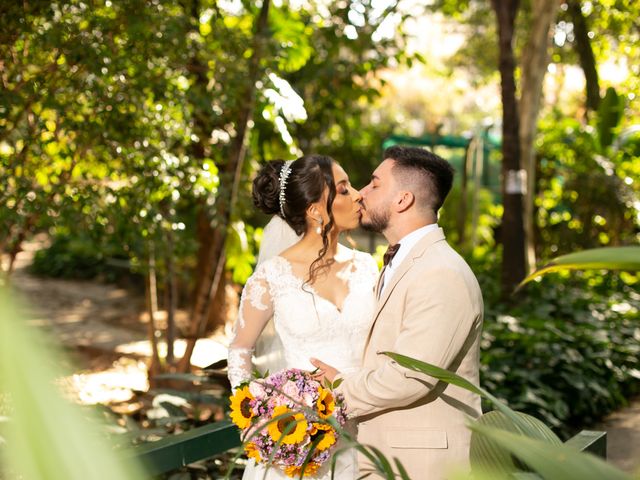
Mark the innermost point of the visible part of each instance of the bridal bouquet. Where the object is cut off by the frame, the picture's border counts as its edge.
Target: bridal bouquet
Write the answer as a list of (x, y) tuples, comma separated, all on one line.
[(288, 418)]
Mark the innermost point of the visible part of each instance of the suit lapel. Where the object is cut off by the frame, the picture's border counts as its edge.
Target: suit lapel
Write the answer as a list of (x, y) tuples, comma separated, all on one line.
[(416, 252)]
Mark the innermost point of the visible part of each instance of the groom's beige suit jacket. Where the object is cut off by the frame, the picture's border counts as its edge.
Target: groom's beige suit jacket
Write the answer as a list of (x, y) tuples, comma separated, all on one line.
[(431, 310)]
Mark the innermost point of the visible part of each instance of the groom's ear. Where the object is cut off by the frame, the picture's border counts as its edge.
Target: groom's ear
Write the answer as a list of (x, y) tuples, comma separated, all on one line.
[(404, 200)]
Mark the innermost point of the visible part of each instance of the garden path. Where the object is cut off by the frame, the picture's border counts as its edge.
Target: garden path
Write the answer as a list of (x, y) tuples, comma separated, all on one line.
[(103, 328)]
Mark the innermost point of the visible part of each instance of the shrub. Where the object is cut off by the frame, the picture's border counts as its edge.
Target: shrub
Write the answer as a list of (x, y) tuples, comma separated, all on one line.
[(78, 257), (567, 351)]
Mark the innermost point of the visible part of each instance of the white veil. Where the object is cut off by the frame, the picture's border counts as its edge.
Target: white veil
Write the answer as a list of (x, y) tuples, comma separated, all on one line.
[(277, 237)]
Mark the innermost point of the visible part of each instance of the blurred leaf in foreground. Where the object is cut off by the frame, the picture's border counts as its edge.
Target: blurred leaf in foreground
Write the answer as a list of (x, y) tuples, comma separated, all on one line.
[(46, 436)]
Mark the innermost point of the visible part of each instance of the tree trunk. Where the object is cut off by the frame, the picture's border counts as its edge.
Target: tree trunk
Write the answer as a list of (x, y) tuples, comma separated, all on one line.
[(172, 298), (585, 53), (462, 209), (513, 181), (152, 307), (535, 59), (478, 165), (226, 198)]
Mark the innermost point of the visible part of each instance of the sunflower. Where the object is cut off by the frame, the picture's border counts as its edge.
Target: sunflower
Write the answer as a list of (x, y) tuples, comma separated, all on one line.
[(325, 403), (326, 440), (294, 471), (241, 413), (295, 433), (317, 426), (252, 451), (326, 434)]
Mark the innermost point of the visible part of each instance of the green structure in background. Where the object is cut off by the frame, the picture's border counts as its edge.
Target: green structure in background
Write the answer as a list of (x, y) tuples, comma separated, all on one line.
[(463, 152)]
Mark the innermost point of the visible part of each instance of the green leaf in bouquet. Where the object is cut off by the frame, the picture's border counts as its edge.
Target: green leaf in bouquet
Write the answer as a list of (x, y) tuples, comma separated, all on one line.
[(337, 383)]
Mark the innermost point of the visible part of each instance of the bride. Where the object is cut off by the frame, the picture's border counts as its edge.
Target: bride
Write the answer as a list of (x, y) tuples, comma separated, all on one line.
[(319, 293)]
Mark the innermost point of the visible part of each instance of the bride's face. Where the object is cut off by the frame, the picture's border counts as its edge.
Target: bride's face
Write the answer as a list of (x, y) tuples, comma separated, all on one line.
[(346, 206)]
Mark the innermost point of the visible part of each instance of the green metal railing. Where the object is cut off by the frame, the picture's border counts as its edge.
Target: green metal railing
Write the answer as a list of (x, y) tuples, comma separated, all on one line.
[(179, 450), (204, 442), (591, 442)]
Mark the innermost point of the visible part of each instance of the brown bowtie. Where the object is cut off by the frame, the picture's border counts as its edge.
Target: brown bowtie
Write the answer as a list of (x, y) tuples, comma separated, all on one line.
[(390, 253)]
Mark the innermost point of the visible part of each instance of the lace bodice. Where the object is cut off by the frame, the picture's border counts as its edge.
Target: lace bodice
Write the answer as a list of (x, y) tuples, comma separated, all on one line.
[(307, 324)]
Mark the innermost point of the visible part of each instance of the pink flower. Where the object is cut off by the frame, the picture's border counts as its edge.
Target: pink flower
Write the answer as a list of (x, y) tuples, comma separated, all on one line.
[(290, 389), (308, 399), (257, 390)]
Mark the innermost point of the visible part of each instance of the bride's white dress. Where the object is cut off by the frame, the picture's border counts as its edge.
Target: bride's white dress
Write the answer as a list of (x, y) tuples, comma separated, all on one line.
[(307, 325)]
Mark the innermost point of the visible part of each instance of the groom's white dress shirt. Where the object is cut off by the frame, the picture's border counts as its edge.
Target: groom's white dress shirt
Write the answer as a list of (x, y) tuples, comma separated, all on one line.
[(406, 244)]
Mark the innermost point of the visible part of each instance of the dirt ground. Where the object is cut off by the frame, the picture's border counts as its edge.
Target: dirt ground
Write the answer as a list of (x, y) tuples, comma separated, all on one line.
[(104, 330)]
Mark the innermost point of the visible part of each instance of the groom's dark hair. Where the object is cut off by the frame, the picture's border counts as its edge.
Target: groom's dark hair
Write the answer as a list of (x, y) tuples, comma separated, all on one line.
[(428, 176)]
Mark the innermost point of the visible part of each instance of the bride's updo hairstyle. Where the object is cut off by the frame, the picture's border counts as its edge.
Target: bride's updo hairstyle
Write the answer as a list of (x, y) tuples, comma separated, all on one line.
[(305, 183)]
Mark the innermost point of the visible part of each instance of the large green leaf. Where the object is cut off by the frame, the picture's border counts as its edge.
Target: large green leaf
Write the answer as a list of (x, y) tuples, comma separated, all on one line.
[(519, 424), (486, 455), (607, 258), (524, 437), (550, 461), (47, 437)]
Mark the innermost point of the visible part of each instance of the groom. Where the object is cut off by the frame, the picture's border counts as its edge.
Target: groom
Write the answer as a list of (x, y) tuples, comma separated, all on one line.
[(430, 308)]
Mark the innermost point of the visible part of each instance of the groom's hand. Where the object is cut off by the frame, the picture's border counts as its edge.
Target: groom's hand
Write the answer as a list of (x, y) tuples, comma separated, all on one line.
[(323, 370)]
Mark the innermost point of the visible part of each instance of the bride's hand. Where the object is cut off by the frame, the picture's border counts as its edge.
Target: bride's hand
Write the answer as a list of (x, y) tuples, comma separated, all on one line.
[(323, 370)]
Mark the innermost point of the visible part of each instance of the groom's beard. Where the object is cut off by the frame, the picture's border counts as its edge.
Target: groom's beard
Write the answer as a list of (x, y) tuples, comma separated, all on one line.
[(377, 221)]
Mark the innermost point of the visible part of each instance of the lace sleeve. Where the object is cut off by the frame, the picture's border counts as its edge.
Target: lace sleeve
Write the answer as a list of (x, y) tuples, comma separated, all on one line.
[(256, 308)]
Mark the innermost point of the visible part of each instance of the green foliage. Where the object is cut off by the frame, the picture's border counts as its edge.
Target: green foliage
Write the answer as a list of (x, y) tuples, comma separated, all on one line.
[(79, 257), (240, 247), (609, 115), (480, 223), (339, 84), (567, 351), (613, 37), (120, 118), (584, 200)]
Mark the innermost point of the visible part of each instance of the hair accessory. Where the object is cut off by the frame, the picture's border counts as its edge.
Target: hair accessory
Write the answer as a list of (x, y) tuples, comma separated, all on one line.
[(284, 175)]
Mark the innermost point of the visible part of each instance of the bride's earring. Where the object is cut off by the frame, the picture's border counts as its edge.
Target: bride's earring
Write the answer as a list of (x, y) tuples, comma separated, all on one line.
[(319, 227)]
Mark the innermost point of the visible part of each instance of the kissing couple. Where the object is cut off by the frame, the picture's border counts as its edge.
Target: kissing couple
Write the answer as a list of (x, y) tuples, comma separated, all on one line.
[(334, 312)]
